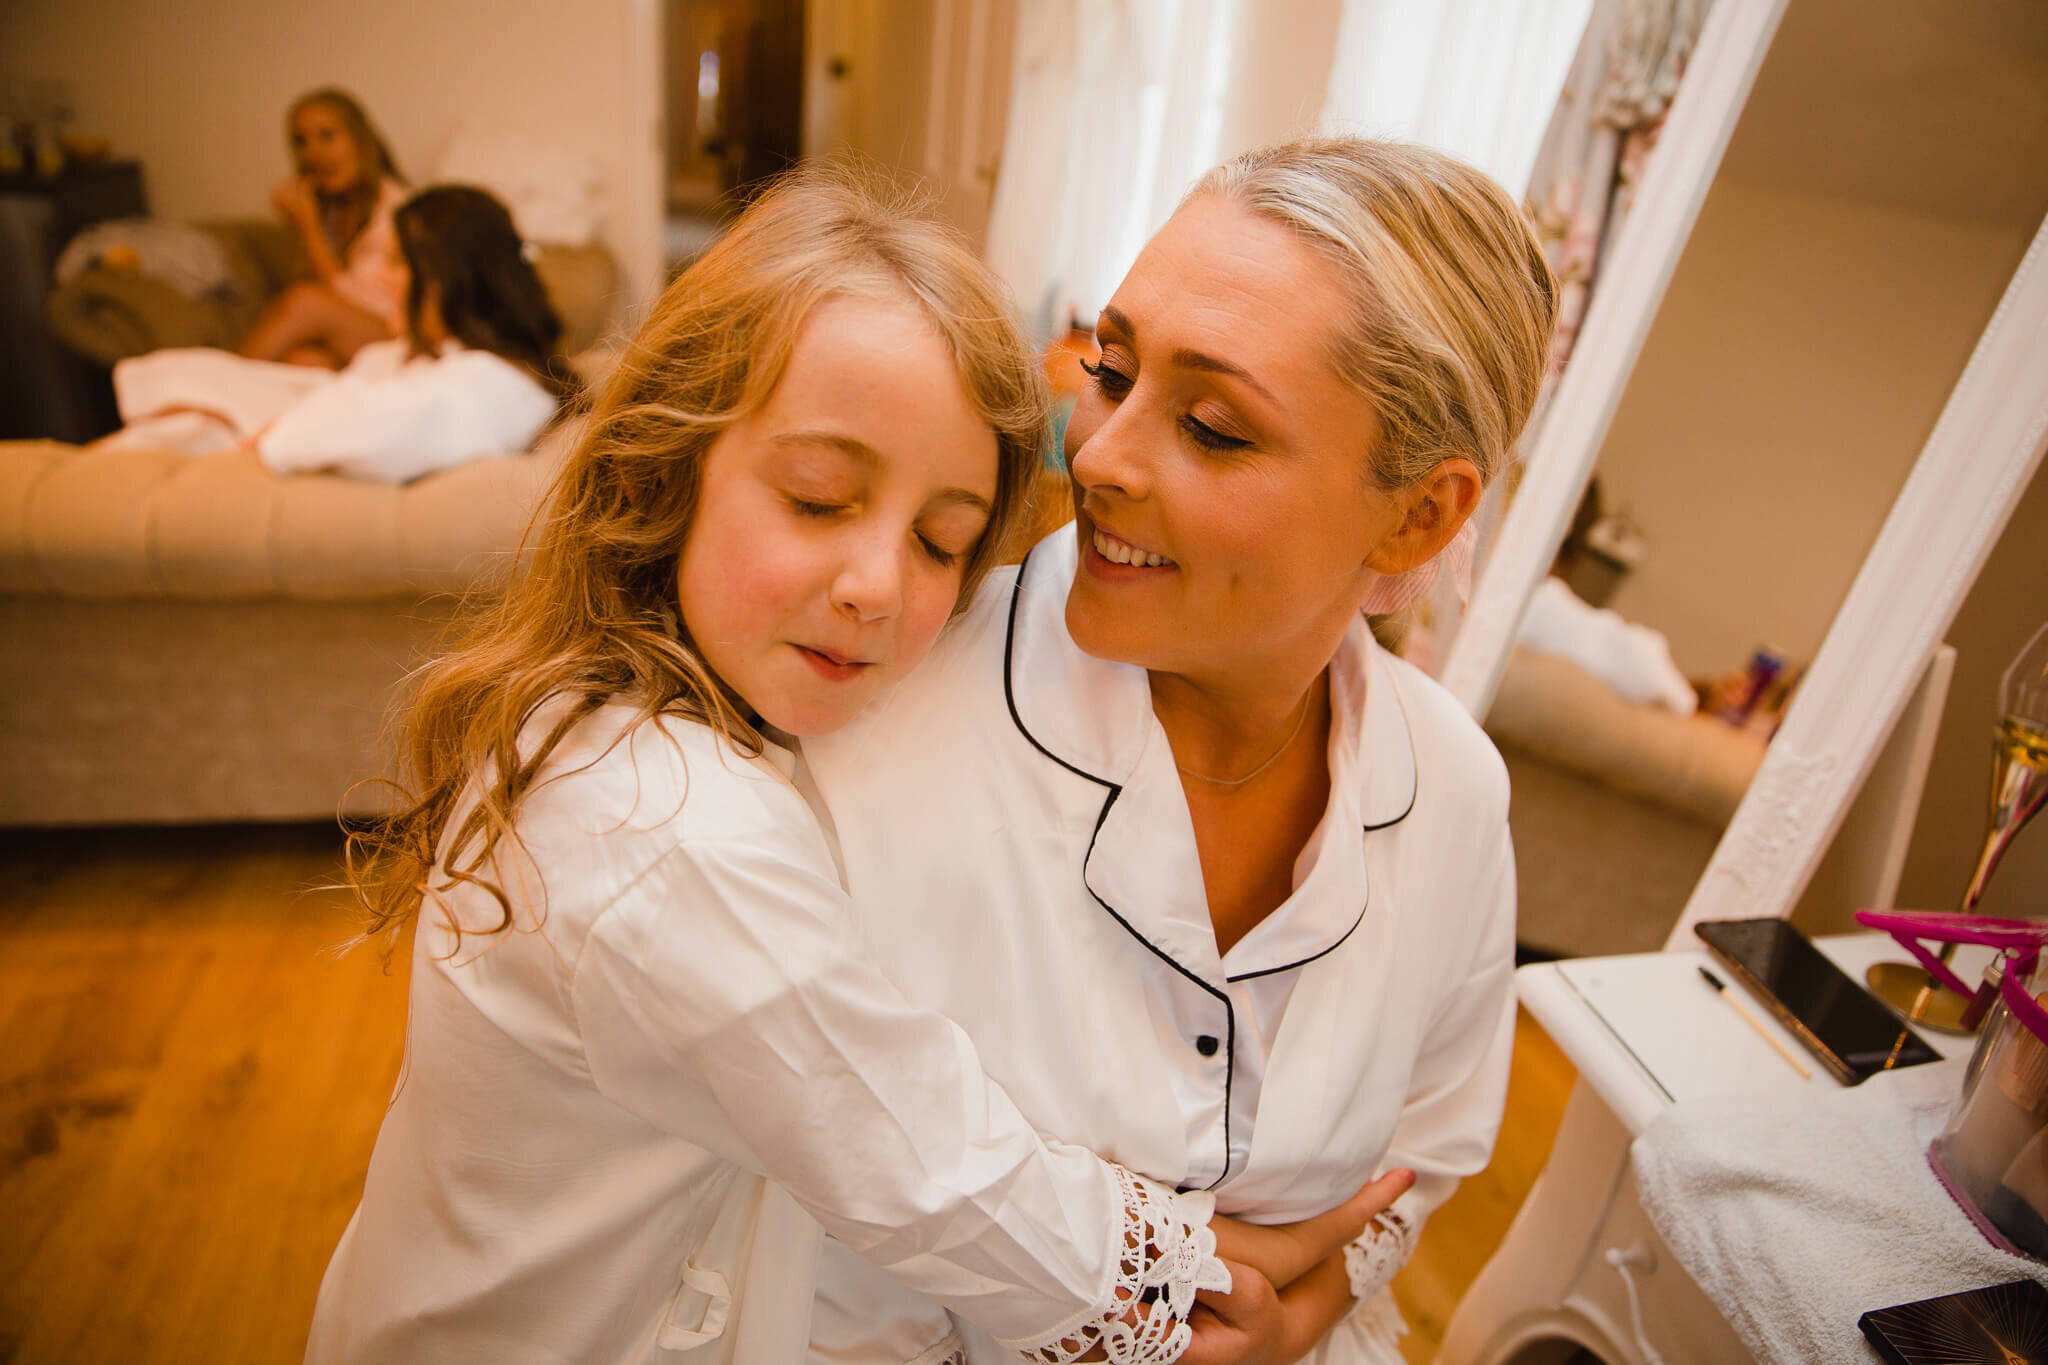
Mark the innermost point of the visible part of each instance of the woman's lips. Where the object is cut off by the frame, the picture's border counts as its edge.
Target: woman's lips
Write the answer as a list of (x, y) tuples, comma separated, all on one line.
[(1118, 551), (832, 665)]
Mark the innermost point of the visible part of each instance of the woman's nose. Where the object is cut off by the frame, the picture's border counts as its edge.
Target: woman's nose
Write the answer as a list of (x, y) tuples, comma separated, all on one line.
[(1111, 457), (869, 586)]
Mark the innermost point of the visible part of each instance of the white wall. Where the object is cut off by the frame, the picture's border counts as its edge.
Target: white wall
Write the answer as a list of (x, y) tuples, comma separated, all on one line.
[(198, 91), (1795, 369)]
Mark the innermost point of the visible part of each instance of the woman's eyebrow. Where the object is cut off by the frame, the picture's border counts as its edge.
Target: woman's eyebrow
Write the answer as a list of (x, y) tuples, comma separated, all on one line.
[(1192, 359)]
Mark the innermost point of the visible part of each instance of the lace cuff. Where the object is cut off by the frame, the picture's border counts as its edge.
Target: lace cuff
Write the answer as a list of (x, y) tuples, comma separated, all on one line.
[(1374, 1259), (1164, 1252)]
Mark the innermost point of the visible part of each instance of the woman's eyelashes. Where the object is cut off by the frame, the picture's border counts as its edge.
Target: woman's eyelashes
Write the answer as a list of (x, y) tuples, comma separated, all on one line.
[(1205, 435), (1115, 385), (1113, 382)]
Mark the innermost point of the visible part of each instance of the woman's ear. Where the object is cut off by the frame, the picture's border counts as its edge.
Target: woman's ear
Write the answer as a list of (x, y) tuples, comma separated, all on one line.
[(1434, 508)]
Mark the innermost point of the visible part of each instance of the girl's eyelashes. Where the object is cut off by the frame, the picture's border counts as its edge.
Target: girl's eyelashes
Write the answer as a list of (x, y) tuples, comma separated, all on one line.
[(932, 549), (938, 553)]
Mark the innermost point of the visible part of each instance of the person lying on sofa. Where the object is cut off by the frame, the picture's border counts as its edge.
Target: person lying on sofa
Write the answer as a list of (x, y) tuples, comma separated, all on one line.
[(339, 205), (479, 371)]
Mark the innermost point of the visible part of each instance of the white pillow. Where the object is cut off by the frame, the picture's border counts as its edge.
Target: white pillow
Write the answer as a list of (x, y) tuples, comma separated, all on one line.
[(554, 192), (188, 258)]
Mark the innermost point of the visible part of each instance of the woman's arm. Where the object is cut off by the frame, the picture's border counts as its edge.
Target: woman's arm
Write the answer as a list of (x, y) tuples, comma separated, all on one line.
[(297, 204), (1458, 1086)]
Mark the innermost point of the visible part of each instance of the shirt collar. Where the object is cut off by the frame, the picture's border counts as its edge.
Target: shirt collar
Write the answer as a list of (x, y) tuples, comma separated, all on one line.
[(1095, 717)]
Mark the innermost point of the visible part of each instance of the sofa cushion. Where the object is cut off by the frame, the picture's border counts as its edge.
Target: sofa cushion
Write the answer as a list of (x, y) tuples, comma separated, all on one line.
[(111, 522), (1550, 708)]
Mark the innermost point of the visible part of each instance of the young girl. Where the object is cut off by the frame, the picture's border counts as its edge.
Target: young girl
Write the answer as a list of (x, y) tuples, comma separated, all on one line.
[(476, 373), (645, 1061), (339, 205)]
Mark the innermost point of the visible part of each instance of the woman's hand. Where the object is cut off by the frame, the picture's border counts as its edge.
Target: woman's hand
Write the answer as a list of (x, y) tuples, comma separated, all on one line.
[(293, 198), (1283, 1253), (1253, 1325)]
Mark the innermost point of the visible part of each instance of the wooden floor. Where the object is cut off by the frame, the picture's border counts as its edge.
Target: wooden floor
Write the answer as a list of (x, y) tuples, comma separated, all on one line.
[(191, 1080)]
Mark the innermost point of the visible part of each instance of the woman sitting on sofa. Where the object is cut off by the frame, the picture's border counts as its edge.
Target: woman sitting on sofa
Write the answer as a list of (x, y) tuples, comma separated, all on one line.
[(340, 206), (478, 371)]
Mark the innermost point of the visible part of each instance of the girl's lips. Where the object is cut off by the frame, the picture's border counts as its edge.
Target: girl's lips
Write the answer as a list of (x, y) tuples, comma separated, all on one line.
[(832, 666)]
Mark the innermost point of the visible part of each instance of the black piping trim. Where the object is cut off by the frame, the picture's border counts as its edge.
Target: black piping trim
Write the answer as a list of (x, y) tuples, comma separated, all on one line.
[(1115, 790), (1269, 971), (1417, 785)]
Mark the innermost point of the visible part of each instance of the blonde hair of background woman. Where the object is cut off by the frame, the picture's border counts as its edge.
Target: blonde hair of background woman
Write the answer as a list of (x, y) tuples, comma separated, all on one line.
[(344, 216), (1452, 300), (591, 616)]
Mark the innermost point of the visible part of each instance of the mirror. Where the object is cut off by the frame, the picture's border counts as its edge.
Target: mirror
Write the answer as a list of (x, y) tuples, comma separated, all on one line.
[(1752, 389)]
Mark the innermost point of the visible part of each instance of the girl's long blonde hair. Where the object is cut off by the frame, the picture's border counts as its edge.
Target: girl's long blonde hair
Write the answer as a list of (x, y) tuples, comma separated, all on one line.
[(590, 617)]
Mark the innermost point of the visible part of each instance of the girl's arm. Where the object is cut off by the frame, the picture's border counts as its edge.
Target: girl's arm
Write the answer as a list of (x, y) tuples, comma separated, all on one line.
[(725, 999)]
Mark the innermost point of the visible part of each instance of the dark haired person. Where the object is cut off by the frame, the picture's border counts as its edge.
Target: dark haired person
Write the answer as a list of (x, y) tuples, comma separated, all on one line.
[(477, 372), (339, 203)]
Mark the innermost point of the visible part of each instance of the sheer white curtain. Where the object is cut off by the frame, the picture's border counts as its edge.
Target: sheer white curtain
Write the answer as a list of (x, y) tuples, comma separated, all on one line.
[(1476, 78), (1117, 107), (1115, 110)]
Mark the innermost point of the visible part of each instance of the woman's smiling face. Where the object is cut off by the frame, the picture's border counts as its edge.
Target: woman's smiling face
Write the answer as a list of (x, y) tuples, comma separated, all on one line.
[(1228, 523)]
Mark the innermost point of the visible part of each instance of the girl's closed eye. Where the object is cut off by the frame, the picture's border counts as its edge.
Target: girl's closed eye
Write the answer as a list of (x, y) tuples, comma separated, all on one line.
[(950, 535)]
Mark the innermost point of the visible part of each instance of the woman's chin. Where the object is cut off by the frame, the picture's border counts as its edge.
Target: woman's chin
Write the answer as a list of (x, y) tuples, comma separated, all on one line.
[(1103, 633)]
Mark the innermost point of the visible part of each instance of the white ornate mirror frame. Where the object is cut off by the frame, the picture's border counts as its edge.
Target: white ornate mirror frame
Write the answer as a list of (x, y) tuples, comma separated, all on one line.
[(1633, 279), (1971, 472)]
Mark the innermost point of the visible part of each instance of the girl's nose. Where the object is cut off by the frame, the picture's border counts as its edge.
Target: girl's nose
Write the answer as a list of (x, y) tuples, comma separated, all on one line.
[(870, 582)]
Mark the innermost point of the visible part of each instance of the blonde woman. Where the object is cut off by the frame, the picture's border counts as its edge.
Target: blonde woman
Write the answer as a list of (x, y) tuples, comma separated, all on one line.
[(339, 203), (1220, 889)]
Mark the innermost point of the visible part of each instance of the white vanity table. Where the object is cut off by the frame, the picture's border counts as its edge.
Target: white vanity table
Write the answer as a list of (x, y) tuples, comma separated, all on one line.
[(1645, 1032)]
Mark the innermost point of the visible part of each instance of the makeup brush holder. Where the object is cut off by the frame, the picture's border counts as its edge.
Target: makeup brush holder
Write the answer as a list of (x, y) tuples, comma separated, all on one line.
[(1993, 1154)]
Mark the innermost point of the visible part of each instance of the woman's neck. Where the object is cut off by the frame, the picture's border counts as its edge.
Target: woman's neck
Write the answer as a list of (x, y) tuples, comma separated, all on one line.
[(1254, 771), (1226, 734)]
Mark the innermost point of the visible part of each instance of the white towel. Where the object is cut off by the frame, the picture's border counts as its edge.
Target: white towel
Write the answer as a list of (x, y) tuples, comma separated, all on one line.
[(1797, 1214)]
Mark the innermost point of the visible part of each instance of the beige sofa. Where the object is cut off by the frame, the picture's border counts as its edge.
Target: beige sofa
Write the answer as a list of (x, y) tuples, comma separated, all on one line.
[(201, 640), (1615, 807), (109, 312)]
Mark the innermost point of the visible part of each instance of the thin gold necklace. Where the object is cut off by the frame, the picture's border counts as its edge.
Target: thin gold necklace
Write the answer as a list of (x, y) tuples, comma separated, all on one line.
[(1275, 758)]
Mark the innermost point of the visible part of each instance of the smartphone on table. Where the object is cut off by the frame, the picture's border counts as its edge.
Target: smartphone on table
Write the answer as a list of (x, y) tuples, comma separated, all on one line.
[(1849, 1030)]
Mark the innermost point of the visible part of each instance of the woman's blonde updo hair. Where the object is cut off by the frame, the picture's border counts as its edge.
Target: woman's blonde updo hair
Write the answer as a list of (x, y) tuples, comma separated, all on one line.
[(591, 617), (1452, 301)]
